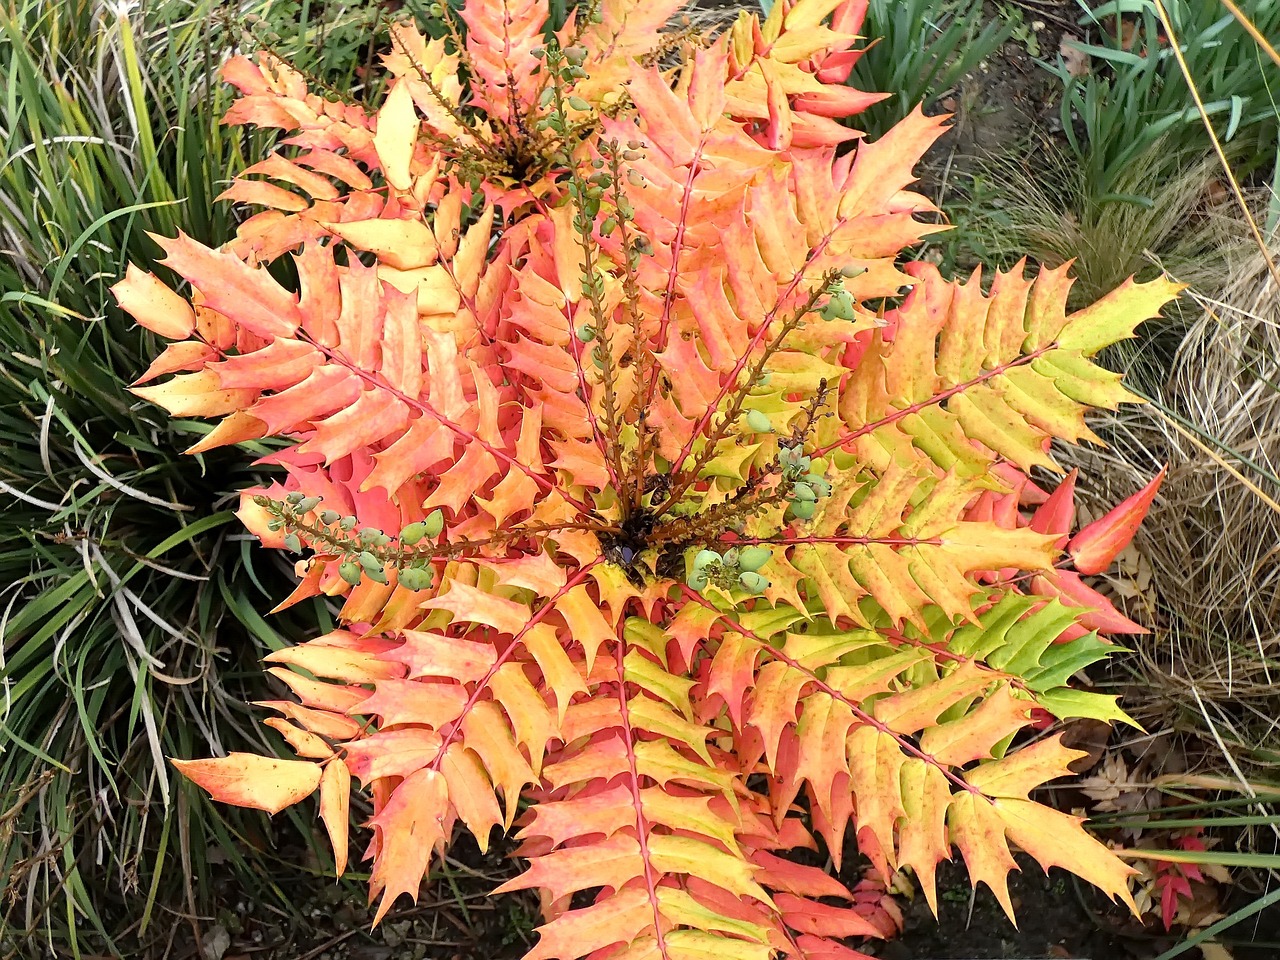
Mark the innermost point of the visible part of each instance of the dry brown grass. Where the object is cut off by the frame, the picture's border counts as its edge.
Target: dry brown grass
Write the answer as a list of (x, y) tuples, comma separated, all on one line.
[(1211, 543)]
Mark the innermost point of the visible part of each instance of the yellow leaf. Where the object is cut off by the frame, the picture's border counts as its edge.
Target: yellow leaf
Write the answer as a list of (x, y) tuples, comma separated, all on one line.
[(335, 802), (400, 244), (303, 742), (978, 831), (1022, 771), (336, 663), (145, 298), (1057, 839), (471, 793), (196, 395), (698, 945), (397, 135), (697, 858), (248, 780)]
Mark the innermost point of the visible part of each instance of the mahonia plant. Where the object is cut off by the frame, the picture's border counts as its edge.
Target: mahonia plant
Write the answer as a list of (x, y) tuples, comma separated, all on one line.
[(676, 523)]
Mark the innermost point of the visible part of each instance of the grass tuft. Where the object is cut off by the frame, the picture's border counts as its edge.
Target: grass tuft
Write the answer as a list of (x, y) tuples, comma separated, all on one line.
[(127, 611)]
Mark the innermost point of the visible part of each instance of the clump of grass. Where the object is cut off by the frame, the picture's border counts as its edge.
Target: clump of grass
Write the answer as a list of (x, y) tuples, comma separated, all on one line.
[(1136, 96), (1214, 534), (1042, 203), (1204, 571), (1040, 200), (919, 50), (922, 50), (123, 642)]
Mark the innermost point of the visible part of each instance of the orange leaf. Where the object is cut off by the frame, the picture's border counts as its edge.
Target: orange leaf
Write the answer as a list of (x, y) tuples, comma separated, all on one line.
[(974, 735), (391, 753), (613, 918), (921, 706), (248, 295), (410, 826), (248, 780), (611, 862)]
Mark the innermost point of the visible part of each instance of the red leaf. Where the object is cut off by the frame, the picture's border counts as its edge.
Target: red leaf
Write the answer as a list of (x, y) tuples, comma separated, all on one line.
[(1095, 547)]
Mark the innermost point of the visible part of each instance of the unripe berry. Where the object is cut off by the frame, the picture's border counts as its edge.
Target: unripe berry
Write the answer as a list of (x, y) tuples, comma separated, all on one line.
[(415, 578), (802, 491), (804, 509), (434, 523), (413, 533), (705, 557)]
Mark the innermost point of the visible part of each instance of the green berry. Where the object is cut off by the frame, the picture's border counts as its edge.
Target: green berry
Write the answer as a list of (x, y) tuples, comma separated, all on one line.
[(704, 558), (698, 579), (413, 533), (415, 578), (752, 559), (586, 333), (579, 104), (819, 483), (802, 491), (804, 509), (294, 497), (369, 535), (292, 543), (753, 582), (307, 504), (434, 523), (274, 525), (369, 562), (849, 272), (350, 572), (347, 523), (329, 516), (758, 421)]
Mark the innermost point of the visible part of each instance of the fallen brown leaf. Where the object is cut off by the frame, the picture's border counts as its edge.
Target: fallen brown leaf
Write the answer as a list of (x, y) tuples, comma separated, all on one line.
[(1091, 736), (1073, 58)]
